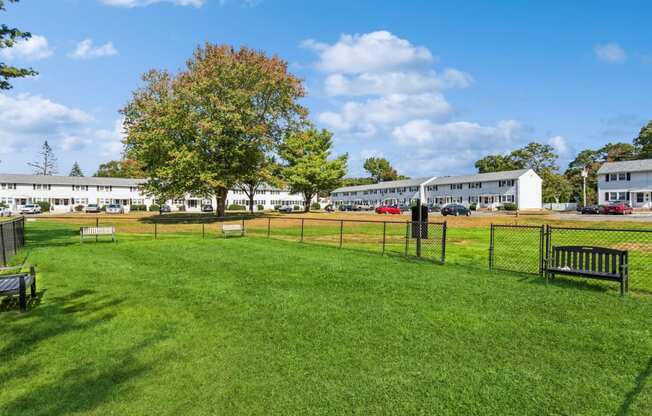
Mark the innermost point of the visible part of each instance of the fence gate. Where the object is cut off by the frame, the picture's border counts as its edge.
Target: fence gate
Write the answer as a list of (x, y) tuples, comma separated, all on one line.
[(426, 240), (518, 248), (12, 238)]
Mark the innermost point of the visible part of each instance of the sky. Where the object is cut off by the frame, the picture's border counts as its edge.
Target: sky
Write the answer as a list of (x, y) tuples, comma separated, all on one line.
[(430, 85)]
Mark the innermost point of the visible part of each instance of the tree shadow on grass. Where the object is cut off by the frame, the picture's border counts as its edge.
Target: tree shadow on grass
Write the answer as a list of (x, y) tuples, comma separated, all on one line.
[(35, 237), (640, 383)]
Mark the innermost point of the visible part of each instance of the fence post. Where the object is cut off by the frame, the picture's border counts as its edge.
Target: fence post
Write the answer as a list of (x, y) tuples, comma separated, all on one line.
[(22, 234), (407, 236), (302, 220), (443, 243), (269, 226), (384, 234), (541, 254), (97, 225), (491, 247), (155, 230), (203, 231), (341, 231), (2, 243), (243, 224), (13, 227)]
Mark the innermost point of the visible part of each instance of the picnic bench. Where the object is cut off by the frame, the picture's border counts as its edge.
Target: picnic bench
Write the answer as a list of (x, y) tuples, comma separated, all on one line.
[(591, 263), (237, 229), (17, 284), (96, 231)]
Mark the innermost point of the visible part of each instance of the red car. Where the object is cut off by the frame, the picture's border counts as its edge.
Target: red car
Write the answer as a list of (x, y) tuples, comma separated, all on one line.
[(388, 210), (619, 208)]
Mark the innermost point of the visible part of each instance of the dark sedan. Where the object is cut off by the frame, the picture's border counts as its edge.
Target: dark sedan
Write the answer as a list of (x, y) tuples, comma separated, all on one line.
[(346, 207), (591, 209), (207, 208), (455, 210)]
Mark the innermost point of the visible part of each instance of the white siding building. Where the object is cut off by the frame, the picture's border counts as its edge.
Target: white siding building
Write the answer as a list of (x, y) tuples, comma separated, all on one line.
[(629, 181), (486, 190), (65, 192)]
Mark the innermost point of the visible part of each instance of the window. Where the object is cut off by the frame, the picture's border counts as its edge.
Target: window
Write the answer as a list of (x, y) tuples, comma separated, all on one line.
[(616, 196), (40, 187), (505, 183), (80, 188), (8, 186), (622, 176), (104, 188), (135, 189), (456, 186), (473, 199), (507, 198), (475, 185), (80, 201)]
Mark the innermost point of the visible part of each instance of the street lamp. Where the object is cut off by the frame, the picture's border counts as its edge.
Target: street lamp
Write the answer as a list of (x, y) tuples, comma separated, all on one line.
[(585, 173)]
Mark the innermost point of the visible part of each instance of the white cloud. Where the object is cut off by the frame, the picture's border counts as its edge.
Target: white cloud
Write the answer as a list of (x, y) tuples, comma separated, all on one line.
[(375, 51), (610, 53), (561, 146), (143, 3), (34, 114), (395, 82), (30, 49), (459, 134), (86, 50), (364, 118)]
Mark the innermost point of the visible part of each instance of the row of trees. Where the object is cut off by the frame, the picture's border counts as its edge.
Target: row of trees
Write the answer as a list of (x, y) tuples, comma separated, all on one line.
[(567, 186)]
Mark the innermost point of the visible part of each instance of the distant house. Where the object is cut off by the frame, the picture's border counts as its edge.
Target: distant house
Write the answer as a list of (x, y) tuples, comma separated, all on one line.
[(66, 192), (628, 181), (485, 190)]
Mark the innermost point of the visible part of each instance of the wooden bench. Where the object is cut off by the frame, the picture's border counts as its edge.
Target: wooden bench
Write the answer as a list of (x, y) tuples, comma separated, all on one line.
[(17, 284), (96, 231), (233, 229), (591, 263)]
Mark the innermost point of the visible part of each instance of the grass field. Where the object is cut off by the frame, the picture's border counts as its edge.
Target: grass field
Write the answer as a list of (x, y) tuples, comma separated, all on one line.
[(184, 325)]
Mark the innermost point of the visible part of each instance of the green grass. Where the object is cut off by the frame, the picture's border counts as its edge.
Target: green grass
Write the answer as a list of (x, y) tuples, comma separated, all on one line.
[(188, 326)]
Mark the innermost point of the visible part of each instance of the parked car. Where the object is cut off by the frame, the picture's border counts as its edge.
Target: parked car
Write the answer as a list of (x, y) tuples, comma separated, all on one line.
[(388, 209), (591, 209), (285, 208), (5, 212), (31, 209), (404, 207), (207, 208), (164, 208), (455, 209), (344, 207), (434, 208), (92, 208), (115, 209), (619, 208), (361, 207), (329, 208)]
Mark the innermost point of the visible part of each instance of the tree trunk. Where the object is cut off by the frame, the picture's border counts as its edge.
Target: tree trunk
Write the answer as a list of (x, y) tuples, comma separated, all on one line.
[(251, 202), (307, 200), (221, 202)]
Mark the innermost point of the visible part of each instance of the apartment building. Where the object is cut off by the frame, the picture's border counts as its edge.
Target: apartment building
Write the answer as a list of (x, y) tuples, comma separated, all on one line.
[(485, 190), (628, 181), (64, 193)]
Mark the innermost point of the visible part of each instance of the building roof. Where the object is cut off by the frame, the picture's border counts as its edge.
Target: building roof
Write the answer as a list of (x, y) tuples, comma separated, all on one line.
[(68, 180), (478, 177), (382, 185), (626, 166)]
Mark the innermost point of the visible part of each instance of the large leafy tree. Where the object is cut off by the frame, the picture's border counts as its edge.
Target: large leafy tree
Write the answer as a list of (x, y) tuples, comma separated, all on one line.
[(8, 38), (380, 169), (308, 168), (539, 157), (616, 152), (495, 163), (591, 161), (203, 130), (125, 168), (46, 164), (265, 172), (557, 187)]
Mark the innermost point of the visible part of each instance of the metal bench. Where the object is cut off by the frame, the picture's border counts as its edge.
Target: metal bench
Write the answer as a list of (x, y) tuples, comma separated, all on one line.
[(17, 284), (590, 262), (96, 231), (237, 229)]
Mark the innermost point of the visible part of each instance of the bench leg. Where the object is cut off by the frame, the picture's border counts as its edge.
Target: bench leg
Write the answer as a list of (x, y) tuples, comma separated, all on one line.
[(32, 272), (622, 287), (22, 295)]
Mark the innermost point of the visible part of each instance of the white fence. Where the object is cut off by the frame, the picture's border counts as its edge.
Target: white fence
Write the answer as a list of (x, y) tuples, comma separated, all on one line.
[(560, 206)]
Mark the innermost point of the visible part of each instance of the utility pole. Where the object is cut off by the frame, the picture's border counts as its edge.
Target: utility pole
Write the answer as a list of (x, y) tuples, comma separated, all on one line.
[(585, 173)]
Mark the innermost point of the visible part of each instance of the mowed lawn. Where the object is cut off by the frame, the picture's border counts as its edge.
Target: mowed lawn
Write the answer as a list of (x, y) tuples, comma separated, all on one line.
[(191, 326)]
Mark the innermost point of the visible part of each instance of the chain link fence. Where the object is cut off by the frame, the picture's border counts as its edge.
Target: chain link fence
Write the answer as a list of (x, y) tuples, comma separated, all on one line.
[(517, 248), (12, 238)]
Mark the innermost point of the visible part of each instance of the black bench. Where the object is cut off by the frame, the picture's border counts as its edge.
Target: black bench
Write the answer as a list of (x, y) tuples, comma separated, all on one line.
[(590, 262), (17, 284)]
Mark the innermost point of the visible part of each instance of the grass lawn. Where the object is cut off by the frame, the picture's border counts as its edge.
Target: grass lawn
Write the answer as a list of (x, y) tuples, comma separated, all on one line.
[(191, 326)]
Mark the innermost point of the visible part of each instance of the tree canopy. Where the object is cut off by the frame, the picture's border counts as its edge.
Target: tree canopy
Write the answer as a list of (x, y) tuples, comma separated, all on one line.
[(8, 38), (204, 129), (76, 170), (643, 142), (380, 169), (125, 168), (308, 167)]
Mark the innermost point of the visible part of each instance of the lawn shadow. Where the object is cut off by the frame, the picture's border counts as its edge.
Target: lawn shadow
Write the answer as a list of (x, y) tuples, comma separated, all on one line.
[(35, 237), (640, 382)]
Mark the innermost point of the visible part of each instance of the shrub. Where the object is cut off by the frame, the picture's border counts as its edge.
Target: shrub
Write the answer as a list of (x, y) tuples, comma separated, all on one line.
[(236, 207), (138, 207), (473, 206), (3, 205), (296, 208), (509, 206), (315, 206), (154, 207), (103, 208), (260, 207), (277, 207), (79, 208), (45, 206), (181, 208)]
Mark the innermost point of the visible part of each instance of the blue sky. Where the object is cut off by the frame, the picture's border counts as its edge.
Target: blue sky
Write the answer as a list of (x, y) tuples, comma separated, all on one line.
[(432, 86)]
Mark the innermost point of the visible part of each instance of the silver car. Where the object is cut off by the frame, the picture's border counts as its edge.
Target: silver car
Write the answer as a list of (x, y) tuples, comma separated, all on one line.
[(5, 212), (30, 209), (114, 209)]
